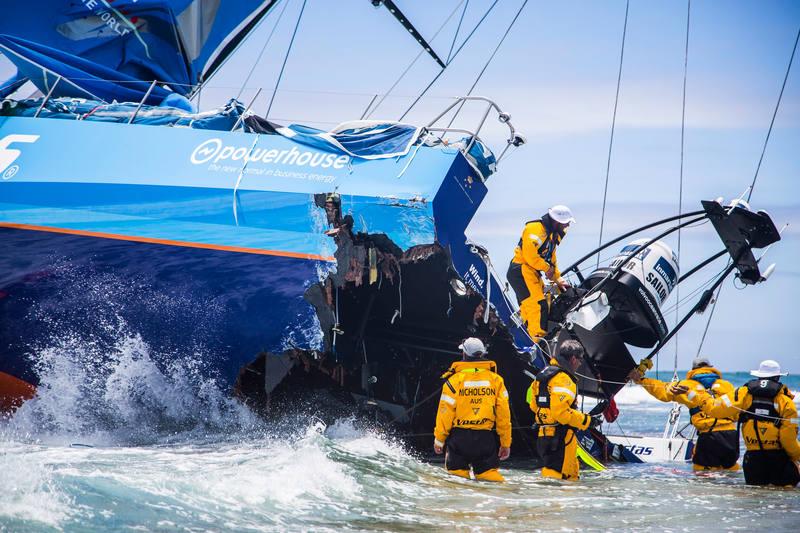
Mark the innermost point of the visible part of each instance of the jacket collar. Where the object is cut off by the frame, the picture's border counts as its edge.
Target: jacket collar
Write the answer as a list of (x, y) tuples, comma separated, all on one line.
[(549, 226), (703, 370), (476, 364), (554, 362)]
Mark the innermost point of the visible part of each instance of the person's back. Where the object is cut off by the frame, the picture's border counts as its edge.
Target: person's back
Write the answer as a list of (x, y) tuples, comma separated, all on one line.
[(768, 421), (473, 422), (718, 438)]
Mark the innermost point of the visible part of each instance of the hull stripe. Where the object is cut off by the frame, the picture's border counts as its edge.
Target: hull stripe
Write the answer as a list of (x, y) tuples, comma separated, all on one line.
[(13, 392), (151, 240)]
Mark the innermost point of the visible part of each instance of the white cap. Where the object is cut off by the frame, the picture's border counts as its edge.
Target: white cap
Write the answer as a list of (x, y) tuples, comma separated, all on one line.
[(768, 369), (561, 214), (700, 362), (473, 347)]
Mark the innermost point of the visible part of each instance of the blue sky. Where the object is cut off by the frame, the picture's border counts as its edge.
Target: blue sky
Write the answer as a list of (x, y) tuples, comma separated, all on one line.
[(556, 74)]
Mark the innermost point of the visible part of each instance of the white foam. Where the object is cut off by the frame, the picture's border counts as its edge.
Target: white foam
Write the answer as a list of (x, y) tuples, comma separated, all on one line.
[(30, 492), (102, 398)]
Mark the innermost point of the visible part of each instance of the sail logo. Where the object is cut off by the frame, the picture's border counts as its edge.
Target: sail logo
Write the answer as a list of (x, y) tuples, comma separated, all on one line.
[(8, 155), (214, 151)]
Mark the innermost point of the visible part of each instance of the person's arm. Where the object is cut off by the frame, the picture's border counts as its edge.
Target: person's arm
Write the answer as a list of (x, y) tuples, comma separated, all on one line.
[(532, 238), (444, 416), (657, 389), (562, 394), (503, 415), (556, 271), (726, 406), (788, 430)]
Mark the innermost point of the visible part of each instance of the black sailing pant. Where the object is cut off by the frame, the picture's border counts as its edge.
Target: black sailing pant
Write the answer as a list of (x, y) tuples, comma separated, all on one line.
[(769, 467)]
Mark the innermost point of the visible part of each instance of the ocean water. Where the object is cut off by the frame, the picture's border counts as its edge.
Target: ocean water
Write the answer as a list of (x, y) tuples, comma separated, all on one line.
[(138, 449)]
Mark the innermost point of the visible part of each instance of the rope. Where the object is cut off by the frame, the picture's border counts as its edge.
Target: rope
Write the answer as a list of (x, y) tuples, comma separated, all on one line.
[(680, 186), (285, 58), (480, 75), (774, 114), (403, 74), (613, 126), (458, 50), (261, 53), (458, 29)]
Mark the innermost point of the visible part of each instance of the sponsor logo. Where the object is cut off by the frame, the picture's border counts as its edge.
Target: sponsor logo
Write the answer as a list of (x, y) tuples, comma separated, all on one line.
[(461, 422), (206, 151), (215, 151), (9, 155), (640, 450), (658, 287), (475, 278), (666, 271)]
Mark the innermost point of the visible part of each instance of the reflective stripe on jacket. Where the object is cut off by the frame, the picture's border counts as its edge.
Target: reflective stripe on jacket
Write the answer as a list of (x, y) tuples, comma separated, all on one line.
[(562, 390), (537, 248), (759, 434), (474, 397)]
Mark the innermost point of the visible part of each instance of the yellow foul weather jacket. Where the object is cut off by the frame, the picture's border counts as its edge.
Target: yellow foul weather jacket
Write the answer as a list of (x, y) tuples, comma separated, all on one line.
[(770, 426), (700, 420), (537, 249), (474, 396), (563, 392)]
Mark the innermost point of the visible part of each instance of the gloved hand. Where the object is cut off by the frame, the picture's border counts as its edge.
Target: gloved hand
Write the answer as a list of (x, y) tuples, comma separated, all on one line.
[(677, 389), (644, 366), (595, 422)]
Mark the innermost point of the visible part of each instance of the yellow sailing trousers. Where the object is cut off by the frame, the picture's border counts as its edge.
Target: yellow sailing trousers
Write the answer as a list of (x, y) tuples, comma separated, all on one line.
[(533, 309)]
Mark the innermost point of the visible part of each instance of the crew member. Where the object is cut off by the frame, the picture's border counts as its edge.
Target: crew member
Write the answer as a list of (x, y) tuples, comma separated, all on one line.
[(473, 423), (553, 400), (768, 421), (717, 438), (535, 255)]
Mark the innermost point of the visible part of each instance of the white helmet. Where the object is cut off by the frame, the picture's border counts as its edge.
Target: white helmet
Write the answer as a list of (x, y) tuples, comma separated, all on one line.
[(561, 214)]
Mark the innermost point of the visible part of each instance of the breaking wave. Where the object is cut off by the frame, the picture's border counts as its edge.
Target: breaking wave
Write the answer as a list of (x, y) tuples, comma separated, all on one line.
[(123, 394)]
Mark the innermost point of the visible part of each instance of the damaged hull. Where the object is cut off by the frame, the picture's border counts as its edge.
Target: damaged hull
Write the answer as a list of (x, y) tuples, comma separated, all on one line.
[(202, 251)]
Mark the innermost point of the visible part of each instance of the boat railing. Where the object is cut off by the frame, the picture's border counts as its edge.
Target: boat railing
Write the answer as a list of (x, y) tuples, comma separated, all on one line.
[(514, 138)]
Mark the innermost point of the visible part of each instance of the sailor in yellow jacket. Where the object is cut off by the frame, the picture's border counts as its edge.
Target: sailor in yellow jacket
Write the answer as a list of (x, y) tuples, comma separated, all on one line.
[(473, 423), (553, 400), (535, 255), (768, 418), (717, 438)]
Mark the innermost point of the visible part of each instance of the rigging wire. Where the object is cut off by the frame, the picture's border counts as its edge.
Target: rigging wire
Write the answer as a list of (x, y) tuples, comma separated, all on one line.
[(285, 58), (680, 186), (263, 48), (774, 114), (613, 127), (458, 29), (755, 176), (455, 54), (491, 57), (413, 62)]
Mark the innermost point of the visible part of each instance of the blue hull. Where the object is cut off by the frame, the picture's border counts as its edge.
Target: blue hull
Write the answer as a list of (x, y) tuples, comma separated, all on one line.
[(226, 306)]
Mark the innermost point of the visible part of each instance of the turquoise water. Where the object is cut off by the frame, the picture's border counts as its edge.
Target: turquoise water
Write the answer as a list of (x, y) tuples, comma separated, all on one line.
[(159, 452)]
